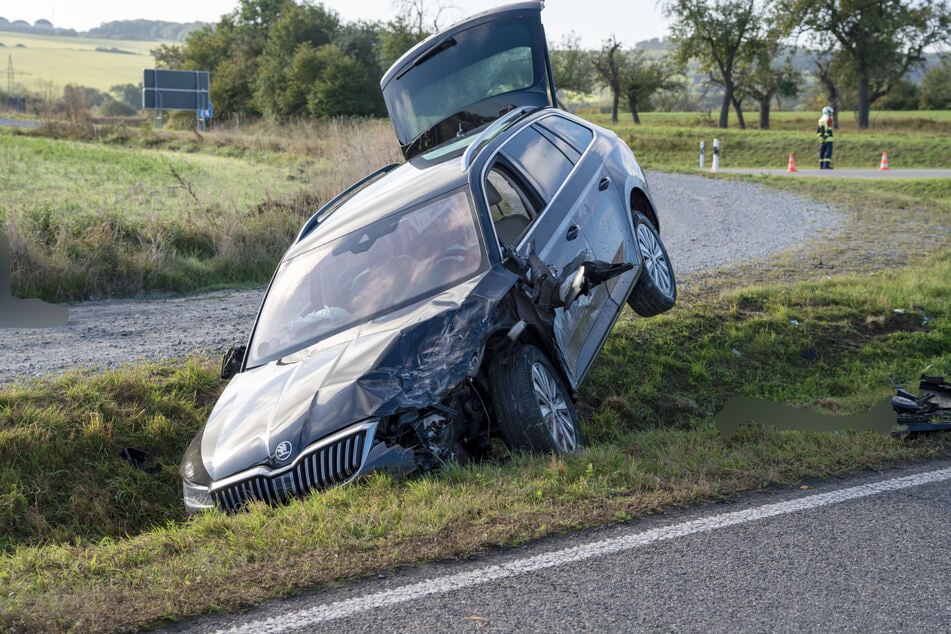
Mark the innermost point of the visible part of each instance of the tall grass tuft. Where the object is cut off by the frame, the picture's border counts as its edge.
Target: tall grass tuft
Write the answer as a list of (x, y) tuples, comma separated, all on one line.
[(63, 477)]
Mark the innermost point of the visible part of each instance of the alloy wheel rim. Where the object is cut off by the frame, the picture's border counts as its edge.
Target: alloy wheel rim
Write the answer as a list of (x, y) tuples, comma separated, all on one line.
[(553, 408), (654, 258)]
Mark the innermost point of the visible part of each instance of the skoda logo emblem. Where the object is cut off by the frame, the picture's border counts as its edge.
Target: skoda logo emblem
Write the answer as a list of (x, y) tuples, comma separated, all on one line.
[(283, 451)]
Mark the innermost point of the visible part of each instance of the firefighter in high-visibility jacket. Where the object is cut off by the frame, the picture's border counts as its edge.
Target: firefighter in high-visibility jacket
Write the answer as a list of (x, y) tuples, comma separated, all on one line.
[(824, 134)]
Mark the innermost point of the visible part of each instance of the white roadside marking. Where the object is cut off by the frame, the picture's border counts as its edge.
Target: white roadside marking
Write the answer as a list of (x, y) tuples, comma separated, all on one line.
[(444, 585)]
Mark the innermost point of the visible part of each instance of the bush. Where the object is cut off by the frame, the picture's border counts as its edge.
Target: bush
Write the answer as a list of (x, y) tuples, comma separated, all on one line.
[(904, 96), (936, 87), (113, 108)]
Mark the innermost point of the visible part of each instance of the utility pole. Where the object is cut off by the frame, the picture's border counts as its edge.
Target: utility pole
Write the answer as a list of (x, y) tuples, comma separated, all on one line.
[(10, 75)]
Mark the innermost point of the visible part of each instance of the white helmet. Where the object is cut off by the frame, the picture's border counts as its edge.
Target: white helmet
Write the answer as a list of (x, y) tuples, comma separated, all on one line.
[(827, 111)]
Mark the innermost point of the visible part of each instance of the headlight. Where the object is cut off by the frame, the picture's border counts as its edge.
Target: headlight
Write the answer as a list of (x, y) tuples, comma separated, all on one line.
[(196, 497), (195, 478)]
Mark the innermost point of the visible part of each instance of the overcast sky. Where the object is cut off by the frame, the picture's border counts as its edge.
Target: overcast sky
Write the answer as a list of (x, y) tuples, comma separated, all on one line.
[(593, 20)]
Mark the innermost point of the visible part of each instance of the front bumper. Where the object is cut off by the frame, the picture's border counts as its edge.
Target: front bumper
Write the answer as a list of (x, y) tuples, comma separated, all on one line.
[(336, 459)]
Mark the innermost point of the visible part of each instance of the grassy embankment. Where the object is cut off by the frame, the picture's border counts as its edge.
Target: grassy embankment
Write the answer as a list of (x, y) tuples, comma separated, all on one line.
[(171, 212), (95, 545)]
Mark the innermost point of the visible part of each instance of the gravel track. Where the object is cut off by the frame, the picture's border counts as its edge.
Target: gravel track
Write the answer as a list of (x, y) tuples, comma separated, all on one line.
[(705, 223)]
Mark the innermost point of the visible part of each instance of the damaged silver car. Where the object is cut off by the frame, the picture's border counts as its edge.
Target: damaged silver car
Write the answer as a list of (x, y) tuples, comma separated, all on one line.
[(437, 304)]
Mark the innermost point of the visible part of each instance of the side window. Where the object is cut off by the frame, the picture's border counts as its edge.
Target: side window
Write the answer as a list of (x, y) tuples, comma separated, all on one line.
[(576, 134), (542, 164), (512, 209)]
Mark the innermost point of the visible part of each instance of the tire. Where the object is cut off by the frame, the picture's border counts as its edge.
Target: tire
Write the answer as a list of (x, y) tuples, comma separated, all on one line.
[(656, 289), (532, 407)]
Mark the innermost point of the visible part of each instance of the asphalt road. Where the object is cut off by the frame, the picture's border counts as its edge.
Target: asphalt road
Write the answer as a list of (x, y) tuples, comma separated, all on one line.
[(865, 554)]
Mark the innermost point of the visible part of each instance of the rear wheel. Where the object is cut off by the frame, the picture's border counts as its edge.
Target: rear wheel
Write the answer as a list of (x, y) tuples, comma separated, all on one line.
[(656, 288), (533, 409)]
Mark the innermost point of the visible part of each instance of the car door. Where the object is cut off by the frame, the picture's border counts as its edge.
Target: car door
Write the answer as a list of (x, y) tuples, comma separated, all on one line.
[(604, 216), (591, 200), (546, 171)]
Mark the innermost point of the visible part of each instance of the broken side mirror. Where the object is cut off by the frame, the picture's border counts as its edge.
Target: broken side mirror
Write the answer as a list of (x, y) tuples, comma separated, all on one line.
[(573, 287), (578, 281), (550, 290), (232, 361)]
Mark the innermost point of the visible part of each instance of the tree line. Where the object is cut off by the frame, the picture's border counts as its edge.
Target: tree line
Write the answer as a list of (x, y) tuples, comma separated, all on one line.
[(286, 58), (862, 47), (859, 52), (144, 30)]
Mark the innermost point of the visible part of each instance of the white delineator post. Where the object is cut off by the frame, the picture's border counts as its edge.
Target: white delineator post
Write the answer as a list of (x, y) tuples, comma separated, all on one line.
[(716, 156), (703, 147)]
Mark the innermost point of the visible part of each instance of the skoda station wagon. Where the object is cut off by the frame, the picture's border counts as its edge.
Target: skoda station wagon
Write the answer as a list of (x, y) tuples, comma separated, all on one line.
[(442, 303)]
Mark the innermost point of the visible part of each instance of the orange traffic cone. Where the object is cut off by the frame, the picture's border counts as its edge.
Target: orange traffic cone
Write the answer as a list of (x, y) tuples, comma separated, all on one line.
[(884, 165), (792, 164)]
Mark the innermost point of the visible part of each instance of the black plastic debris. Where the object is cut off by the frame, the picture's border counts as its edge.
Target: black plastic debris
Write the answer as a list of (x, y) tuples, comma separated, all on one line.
[(137, 458), (929, 412)]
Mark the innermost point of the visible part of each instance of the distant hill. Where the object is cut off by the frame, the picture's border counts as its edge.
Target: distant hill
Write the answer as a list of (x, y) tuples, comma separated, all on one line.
[(41, 26), (144, 30), (139, 30)]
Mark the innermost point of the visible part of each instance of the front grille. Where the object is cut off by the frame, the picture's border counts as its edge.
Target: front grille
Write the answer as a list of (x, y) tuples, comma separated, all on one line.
[(324, 464)]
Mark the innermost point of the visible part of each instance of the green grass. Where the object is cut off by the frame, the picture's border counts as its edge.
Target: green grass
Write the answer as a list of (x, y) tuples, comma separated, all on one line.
[(679, 148), (41, 59), (93, 220), (846, 351), (671, 141), (173, 212), (81, 179), (63, 478)]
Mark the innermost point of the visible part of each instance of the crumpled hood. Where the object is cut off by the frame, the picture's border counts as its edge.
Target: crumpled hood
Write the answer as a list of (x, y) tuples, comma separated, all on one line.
[(405, 359)]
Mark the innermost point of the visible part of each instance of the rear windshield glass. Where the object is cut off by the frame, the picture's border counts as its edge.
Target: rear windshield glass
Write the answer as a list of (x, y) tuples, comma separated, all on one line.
[(485, 61), (377, 269)]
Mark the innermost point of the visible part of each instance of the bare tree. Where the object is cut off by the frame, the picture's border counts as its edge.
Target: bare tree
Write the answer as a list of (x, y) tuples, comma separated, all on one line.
[(716, 33), (422, 16), (606, 64)]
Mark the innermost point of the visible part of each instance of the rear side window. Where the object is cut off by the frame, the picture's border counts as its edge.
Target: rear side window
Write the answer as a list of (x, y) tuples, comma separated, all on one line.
[(543, 165), (512, 209), (574, 133)]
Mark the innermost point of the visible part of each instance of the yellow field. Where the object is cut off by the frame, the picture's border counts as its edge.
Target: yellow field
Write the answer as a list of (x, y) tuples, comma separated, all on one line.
[(40, 59)]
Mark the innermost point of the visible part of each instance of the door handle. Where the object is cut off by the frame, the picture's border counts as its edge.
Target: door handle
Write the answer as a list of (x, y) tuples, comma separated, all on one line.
[(572, 232), (603, 184)]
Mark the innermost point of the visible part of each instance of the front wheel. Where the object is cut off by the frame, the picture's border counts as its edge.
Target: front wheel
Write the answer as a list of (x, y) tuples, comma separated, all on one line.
[(532, 406), (656, 289)]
